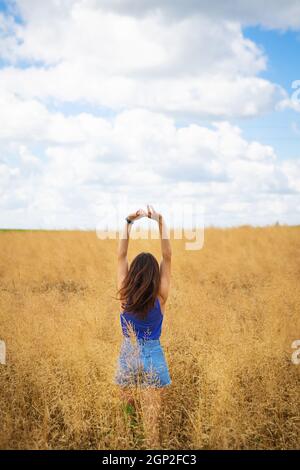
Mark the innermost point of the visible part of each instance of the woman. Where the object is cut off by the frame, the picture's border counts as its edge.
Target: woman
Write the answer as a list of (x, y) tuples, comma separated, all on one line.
[(143, 289)]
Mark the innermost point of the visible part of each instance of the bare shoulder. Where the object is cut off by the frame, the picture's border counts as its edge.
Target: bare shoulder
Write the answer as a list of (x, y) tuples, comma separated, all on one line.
[(122, 308), (162, 303)]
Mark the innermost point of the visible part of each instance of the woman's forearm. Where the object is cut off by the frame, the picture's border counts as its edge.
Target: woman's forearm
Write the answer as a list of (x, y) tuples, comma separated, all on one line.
[(164, 238), (124, 238), (124, 241)]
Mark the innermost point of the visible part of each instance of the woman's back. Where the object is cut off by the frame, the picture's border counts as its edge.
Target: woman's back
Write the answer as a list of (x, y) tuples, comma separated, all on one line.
[(148, 328)]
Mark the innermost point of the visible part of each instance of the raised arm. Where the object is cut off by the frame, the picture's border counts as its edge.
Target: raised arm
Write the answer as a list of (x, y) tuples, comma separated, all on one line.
[(122, 269), (166, 251)]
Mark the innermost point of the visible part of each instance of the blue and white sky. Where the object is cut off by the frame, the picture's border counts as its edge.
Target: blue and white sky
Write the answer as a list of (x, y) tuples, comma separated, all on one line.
[(161, 102)]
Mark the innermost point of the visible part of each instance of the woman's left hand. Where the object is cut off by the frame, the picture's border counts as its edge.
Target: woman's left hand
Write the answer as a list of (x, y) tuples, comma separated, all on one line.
[(139, 214)]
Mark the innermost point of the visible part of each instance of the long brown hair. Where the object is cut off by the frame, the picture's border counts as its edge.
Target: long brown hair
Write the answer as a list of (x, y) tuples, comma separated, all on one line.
[(140, 286)]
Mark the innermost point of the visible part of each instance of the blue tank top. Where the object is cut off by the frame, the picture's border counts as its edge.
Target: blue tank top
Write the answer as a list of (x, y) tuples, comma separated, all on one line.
[(147, 328)]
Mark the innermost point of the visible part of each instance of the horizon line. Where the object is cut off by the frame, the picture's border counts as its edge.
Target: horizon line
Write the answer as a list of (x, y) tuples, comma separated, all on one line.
[(94, 229)]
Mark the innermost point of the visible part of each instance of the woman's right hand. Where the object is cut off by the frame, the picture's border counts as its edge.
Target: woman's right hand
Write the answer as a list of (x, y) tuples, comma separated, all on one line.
[(152, 214)]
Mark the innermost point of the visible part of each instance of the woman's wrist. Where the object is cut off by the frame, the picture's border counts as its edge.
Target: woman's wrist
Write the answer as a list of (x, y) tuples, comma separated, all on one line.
[(135, 216)]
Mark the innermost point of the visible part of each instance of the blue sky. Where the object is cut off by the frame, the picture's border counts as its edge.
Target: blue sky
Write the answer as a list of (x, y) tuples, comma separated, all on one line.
[(282, 50), (105, 102)]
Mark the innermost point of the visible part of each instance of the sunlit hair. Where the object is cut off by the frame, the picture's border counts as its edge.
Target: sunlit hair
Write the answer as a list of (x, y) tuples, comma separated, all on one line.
[(140, 287)]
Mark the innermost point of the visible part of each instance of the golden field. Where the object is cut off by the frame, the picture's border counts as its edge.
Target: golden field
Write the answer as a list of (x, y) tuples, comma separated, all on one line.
[(231, 318)]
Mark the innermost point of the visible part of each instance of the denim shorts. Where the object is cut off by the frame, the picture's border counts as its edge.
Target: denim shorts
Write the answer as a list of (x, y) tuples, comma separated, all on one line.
[(142, 363)]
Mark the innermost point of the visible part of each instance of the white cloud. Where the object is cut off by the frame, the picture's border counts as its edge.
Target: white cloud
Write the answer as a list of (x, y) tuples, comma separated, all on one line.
[(270, 13), (217, 96), (190, 66), (148, 66), (22, 119), (139, 155)]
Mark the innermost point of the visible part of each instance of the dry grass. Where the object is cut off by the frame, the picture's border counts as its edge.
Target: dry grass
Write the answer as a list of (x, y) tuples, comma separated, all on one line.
[(231, 318)]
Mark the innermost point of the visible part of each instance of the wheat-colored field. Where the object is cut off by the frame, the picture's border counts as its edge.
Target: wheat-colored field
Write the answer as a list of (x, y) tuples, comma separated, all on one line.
[(232, 315)]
